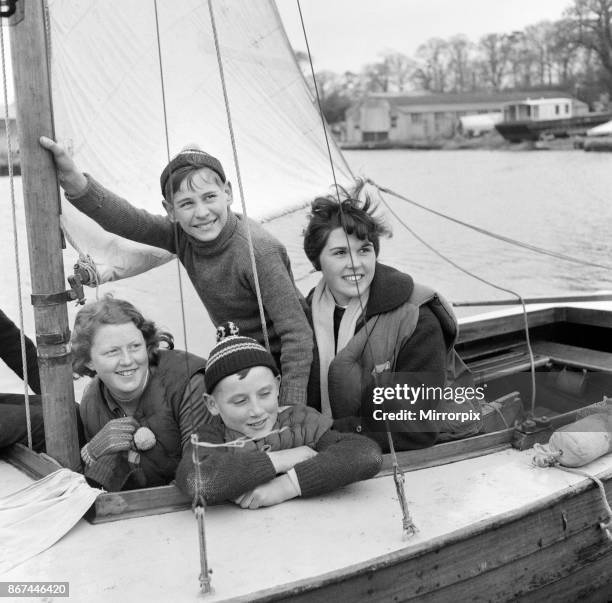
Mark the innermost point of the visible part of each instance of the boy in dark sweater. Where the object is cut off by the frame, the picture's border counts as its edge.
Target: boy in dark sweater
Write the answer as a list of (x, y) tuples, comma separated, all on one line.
[(213, 244), (256, 453)]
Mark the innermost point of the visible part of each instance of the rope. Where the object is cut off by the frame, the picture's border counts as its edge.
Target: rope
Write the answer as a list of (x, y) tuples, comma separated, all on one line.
[(237, 443), (24, 361), (199, 508), (489, 233), (545, 457), (482, 280), (408, 526), (199, 504), (188, 391), (262, 317)]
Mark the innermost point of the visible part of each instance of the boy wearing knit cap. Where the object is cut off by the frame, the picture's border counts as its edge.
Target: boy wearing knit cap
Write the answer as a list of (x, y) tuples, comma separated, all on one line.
[(212, 244), (256, 453)]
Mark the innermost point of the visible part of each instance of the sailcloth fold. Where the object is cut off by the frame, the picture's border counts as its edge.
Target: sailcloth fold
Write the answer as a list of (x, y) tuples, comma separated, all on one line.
[(134, 86), (37, 516)]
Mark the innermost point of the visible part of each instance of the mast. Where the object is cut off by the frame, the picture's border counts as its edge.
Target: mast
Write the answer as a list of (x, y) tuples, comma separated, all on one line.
[(42, 207)]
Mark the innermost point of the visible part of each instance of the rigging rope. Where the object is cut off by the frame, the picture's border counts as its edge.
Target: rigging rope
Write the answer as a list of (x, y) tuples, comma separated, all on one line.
[(24, 361), (408, 525), (198, 503), (486, 282), (238, 175), (489, 233)]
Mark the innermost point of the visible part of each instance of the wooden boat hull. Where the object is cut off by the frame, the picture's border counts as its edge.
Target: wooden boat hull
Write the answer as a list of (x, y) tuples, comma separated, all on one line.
[(492, 528)]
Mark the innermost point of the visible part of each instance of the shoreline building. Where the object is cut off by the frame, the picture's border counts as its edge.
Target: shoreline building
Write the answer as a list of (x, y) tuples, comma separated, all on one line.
[(391, 118)]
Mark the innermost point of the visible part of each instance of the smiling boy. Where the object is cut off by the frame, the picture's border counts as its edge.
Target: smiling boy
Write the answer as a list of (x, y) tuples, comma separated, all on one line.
[(212, 243), (258, 454)]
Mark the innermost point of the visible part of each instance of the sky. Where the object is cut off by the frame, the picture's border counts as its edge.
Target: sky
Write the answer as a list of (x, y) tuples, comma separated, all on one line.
[(345, 35)]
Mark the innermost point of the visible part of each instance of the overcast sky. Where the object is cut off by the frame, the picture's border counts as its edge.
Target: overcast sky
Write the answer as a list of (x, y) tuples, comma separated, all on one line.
[(347, 34)]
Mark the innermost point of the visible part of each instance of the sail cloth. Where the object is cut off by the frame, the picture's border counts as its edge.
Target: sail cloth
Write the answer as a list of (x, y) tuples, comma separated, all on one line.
[(110, 107), (37, 516)]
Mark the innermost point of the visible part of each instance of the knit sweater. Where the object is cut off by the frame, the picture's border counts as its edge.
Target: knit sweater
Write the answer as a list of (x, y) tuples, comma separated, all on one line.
[(222, 275), (10, 351), (229, 472)]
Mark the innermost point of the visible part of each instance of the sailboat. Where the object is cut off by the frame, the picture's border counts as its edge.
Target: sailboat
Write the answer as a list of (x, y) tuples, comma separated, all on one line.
[(130, 86)]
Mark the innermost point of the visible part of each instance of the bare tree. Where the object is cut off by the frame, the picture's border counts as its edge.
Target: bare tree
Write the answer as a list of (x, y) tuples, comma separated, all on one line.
[(565, 52), (495, 50), (459, 49), (399, 69), (540, 39), (592, 28)]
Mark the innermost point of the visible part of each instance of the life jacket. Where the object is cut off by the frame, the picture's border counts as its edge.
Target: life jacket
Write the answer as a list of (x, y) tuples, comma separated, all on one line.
[(377, 345), (295, 426), (158, 410)]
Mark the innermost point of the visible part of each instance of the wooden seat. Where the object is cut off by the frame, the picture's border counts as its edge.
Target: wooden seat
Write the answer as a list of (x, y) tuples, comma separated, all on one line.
[(510, 362), (574, 356)]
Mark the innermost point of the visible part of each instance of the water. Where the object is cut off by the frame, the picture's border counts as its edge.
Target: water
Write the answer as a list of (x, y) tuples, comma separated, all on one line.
[(559, 200)]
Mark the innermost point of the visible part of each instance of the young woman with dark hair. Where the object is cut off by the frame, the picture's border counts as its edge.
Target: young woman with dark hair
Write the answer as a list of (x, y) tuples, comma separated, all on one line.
[(369, 317)]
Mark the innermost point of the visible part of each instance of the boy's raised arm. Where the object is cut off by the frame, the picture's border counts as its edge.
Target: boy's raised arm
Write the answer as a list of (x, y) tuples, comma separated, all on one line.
[(114, 214)]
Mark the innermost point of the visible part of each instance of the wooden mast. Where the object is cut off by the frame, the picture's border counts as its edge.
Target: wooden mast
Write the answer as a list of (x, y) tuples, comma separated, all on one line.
[(42, 206)]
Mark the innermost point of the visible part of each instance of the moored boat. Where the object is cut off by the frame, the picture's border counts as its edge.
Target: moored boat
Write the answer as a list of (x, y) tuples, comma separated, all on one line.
[(533, 119)]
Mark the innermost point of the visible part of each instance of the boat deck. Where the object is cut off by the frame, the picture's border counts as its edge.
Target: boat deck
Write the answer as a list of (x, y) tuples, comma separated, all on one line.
[(156, 558)]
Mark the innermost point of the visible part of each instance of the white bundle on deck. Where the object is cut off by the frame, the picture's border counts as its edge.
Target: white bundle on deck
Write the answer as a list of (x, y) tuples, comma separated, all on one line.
[(36, 517)]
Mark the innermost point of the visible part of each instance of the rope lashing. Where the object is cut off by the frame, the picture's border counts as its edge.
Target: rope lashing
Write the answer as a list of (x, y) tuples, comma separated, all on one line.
[(237, 443), (9, 149), (409, 528), (199, 509), (545, 457), (199, 501)]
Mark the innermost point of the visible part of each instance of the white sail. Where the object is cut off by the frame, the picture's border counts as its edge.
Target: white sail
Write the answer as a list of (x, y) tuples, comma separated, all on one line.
[(120, 88)]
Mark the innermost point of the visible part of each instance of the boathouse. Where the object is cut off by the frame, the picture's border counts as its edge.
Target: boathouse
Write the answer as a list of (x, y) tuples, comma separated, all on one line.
[(536, 109), (389, 118)]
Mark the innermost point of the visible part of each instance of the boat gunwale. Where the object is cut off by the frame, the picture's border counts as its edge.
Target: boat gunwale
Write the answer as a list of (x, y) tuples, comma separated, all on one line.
[(305, 586)]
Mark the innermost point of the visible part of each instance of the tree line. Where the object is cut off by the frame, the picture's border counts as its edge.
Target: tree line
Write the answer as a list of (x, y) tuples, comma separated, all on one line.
[(573, 54)]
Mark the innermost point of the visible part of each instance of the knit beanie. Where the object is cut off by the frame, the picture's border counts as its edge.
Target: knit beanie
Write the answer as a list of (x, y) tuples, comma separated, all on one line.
[(232, 354), (193, 157)]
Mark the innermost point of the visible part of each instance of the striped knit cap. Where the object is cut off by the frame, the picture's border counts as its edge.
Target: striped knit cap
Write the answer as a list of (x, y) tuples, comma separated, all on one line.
[(232, 354), (192, 157)]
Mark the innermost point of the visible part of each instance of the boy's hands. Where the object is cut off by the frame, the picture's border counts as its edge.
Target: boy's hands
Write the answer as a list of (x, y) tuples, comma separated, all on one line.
[(72, 180), (274, 492), (284, 460)]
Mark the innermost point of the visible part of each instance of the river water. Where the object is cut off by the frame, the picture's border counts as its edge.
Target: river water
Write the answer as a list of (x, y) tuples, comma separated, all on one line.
[(559, 200)]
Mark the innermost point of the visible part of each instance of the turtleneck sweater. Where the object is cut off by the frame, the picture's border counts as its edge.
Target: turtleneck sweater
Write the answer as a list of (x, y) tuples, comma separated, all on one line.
[(222, 275)]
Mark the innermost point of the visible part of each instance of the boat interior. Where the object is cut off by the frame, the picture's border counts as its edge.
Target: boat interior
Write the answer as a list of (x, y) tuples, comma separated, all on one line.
[(572, 354)]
